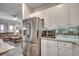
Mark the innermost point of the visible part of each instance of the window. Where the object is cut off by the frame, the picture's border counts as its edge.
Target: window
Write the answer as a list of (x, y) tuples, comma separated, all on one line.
[(11, 28), (1, 28)]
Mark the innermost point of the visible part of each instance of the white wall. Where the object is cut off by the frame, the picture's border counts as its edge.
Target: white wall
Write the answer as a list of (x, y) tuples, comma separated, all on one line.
[(4, 15), (7, 20), (7, 24), (26, 11)]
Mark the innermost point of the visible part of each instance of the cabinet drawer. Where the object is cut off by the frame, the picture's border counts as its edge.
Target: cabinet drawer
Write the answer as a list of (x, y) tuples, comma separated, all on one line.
[(62, 51), (65, 44), (52, 42), (44, 41)]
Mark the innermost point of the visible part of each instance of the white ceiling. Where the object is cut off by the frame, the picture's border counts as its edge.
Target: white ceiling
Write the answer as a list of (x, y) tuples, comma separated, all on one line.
[(34, 6), (16, 8), (12, 9)]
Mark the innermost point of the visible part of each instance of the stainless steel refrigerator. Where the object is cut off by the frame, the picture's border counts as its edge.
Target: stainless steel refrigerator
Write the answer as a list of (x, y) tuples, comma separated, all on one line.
[(32, 31)]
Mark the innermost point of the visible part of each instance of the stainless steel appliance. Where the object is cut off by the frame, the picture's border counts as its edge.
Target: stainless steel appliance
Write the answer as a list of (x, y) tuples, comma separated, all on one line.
[(32, 33)]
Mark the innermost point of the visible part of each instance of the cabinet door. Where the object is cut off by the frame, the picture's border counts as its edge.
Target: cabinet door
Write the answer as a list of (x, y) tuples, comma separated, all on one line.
[(33, 15), (74, 49), (77, 50), (63, 14), (43, 50), (74, 14), (59, 15), (48, 49), (46, 17), (54, 17), (52, 50), (37, 14), (64, 51), (43, 47)]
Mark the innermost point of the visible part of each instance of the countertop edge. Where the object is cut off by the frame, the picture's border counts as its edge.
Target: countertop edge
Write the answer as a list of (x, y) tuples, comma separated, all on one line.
[(70, 41)]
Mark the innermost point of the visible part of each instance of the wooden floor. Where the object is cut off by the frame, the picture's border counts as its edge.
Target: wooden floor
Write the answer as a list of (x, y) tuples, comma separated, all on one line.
[(17, 51)]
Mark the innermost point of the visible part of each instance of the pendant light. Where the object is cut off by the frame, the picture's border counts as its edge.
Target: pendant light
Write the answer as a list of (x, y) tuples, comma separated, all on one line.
[(14, 17)]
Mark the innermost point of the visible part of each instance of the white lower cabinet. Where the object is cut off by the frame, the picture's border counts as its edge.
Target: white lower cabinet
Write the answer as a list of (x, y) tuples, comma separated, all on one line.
[(43, 50), (62, 51), (48, 49), (57, 48), (64, 44), (52, 50), (44, 47), (76, 49)]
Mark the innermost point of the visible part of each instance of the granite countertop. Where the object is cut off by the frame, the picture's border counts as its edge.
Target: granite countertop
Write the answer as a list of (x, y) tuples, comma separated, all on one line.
[(62, 40)]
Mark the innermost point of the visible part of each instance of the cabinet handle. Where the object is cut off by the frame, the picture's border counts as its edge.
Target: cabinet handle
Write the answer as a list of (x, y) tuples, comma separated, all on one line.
[(58, 48), (64, 44), (48, 46)]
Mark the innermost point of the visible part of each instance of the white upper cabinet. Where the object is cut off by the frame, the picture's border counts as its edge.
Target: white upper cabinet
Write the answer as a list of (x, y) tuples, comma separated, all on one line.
[(63, 14), (37, 14), (46, 17), (59, 15), (54, 17), (74, 14)]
